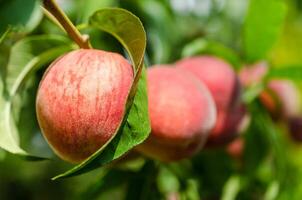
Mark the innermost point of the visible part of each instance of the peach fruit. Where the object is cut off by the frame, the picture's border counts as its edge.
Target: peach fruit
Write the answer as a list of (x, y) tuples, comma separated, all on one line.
[(182, 112), (227, 127), (218, 76), (81, 101), (281, 98), (225, 88)]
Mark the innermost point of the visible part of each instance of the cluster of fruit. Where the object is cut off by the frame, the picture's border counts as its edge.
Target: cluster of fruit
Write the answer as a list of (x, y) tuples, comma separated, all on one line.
[(198, 100), (280, 97), (193, 103)]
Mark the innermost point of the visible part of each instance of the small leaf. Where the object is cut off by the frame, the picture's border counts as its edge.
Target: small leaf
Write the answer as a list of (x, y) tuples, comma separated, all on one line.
[(25, 58), (167, 182), (272, 191), (203, 46), (191, 190), (3, 36), (251, 93), (231, 188), (129, 31), (262, 27)]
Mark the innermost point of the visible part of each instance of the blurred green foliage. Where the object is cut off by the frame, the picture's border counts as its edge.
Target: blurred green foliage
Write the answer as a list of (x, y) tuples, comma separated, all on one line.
[(238, 31)]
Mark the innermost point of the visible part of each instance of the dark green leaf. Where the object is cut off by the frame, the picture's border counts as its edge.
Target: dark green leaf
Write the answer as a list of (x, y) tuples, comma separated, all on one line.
[(26, 56), (262, 27), (141, 186), (112, 179), (129, 31), (3, 36), (263, 130), (126, 28), (23, 14)]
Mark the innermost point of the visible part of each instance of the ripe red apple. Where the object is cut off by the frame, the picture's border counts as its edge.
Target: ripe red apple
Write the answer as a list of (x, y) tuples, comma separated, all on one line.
[(182, 112), (81, 101), (225, 88)]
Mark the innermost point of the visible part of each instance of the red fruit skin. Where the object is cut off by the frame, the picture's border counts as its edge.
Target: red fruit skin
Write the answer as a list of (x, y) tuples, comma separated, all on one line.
[(182, 112), (227, 127), (281, 99), (218, 76), (295, 128), (81, 101), (288, 96), (225, 88), (235, 149)]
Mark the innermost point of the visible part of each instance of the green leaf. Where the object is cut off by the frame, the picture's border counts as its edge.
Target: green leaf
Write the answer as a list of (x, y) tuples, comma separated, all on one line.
[(204, 46), (87, 8), (112, 179), (191, 190), (26, 56), (23, 14), (272, 191), (129, 31), (231, 188), (287, 72), (167, 181), (3, 36), (251, 93), (262, 27), (268, 131)]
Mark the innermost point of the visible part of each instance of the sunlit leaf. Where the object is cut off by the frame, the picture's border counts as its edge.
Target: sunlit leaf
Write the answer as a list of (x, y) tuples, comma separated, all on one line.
[(203, 46), (26, 56), (252, 93), (262, 27), (286, 72), (272, 191), (3, 36), (231, 188)]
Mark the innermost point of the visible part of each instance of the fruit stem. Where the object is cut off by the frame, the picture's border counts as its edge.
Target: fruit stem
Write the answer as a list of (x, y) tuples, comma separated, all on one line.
[(52, 7)]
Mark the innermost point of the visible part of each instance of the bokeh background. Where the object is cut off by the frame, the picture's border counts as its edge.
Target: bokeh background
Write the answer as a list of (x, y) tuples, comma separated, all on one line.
[(271, 167)]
